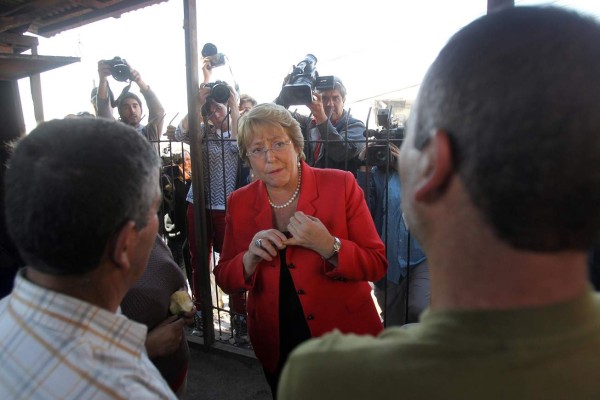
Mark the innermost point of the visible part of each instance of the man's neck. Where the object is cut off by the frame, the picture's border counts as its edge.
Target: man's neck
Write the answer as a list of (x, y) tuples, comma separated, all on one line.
[(483, 274), (472, 268), (88, 287)]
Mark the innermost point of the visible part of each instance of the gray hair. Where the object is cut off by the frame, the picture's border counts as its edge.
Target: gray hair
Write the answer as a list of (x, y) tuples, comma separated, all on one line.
[(70, 187)]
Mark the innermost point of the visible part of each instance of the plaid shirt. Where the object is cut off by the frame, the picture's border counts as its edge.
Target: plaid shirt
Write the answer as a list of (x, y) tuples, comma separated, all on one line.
[(53, 346)]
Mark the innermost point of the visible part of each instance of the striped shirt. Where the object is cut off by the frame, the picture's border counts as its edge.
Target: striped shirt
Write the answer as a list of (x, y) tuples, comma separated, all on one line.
[(54, 346), (221, 160)]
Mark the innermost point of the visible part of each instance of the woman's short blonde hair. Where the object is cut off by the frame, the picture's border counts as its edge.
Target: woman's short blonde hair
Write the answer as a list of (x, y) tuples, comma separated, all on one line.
[(263, 115)]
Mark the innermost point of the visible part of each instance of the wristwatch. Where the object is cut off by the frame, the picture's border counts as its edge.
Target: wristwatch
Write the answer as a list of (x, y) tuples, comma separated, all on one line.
[(337, 245)]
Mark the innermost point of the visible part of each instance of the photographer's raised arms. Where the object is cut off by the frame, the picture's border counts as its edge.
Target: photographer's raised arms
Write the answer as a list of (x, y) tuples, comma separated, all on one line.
[(128, 104), (333, 139)]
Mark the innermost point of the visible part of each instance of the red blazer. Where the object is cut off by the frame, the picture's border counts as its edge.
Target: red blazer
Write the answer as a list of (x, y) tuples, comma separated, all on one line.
[(331, 297)]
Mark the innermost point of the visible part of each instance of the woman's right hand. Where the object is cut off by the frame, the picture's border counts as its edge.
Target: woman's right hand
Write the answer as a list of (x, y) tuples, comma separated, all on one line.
[(264, 246)]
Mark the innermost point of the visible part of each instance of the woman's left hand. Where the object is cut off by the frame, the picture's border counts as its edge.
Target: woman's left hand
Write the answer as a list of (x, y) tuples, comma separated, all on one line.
[(308, 231)]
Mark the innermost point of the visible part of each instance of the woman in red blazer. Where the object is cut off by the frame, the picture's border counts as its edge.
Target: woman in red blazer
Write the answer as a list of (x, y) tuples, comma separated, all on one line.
[(300, 240)]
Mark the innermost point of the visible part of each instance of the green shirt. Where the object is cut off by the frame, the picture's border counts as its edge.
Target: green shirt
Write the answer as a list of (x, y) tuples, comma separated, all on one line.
[(550, 352)]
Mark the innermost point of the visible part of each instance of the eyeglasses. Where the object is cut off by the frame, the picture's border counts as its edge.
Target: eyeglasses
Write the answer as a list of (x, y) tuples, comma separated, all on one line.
[(276, 147)]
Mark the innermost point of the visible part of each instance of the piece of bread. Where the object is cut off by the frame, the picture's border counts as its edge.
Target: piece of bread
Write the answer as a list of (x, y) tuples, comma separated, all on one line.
[(180, 302)]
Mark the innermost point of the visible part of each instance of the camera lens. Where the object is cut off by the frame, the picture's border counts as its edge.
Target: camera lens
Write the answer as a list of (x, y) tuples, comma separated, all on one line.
[(381, 156), (220, 93), (121, 72), (378, 155)]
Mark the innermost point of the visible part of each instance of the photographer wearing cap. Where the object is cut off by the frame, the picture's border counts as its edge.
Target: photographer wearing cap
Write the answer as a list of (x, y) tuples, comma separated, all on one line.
[(333, 138), (129, 105)]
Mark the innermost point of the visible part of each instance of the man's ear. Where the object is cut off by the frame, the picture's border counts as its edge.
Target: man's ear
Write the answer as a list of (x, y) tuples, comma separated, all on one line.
[(438, 167), (122, 244)]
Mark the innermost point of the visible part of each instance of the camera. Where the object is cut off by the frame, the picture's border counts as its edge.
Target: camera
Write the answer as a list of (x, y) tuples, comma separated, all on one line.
[(302, 81), (216, 59), (379, 154), (219, 91), (324, 83), (119, 69)]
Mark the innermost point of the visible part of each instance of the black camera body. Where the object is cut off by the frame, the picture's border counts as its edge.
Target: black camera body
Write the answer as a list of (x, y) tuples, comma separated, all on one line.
[(379, 153), (302, 81), (219, 91), (217, 60), (119, 69)]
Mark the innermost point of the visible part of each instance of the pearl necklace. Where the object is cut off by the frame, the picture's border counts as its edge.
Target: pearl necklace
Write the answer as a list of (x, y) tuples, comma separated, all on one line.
[(291, 200)]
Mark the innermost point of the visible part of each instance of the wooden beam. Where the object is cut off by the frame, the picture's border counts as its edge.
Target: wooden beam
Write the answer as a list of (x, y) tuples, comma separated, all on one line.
[(16, 40)]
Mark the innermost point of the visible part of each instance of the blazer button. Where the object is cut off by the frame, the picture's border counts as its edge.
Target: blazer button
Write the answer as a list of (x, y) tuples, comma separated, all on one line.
[(310, 317), (300, 291), (291, 265)]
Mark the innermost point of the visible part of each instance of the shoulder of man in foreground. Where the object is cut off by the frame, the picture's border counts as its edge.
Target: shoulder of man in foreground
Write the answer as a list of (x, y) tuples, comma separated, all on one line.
[(77, 356), (344, 357), (548, 352)]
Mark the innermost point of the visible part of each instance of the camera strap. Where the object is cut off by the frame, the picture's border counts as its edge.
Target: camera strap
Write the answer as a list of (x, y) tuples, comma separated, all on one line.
[(115, 102)]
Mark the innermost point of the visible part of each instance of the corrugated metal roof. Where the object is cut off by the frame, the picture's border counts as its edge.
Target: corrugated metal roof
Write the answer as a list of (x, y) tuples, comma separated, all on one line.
[(49, 17)]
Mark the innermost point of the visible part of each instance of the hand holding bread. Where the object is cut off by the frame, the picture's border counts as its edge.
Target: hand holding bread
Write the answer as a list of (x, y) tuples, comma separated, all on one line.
[(180, 303)]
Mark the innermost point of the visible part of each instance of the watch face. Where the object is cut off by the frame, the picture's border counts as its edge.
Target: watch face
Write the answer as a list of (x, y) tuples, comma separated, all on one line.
[(337, 245)]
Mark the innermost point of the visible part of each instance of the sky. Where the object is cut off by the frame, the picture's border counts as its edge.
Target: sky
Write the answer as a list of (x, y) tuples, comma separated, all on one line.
[(381, 49)]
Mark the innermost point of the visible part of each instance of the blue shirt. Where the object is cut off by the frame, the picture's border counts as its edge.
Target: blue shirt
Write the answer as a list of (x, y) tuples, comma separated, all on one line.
[(396, 236)]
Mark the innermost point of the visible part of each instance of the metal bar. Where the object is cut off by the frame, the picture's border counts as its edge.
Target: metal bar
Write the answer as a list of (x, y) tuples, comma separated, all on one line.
[(202, 262)]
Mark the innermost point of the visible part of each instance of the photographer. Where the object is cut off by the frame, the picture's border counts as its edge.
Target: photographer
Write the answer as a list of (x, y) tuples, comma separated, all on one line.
[(333, 138), (129, 105), (219, 114), (407, 291)]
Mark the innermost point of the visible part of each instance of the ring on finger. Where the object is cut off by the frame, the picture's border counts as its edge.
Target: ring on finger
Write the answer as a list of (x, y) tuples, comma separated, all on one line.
[(258, 243)]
